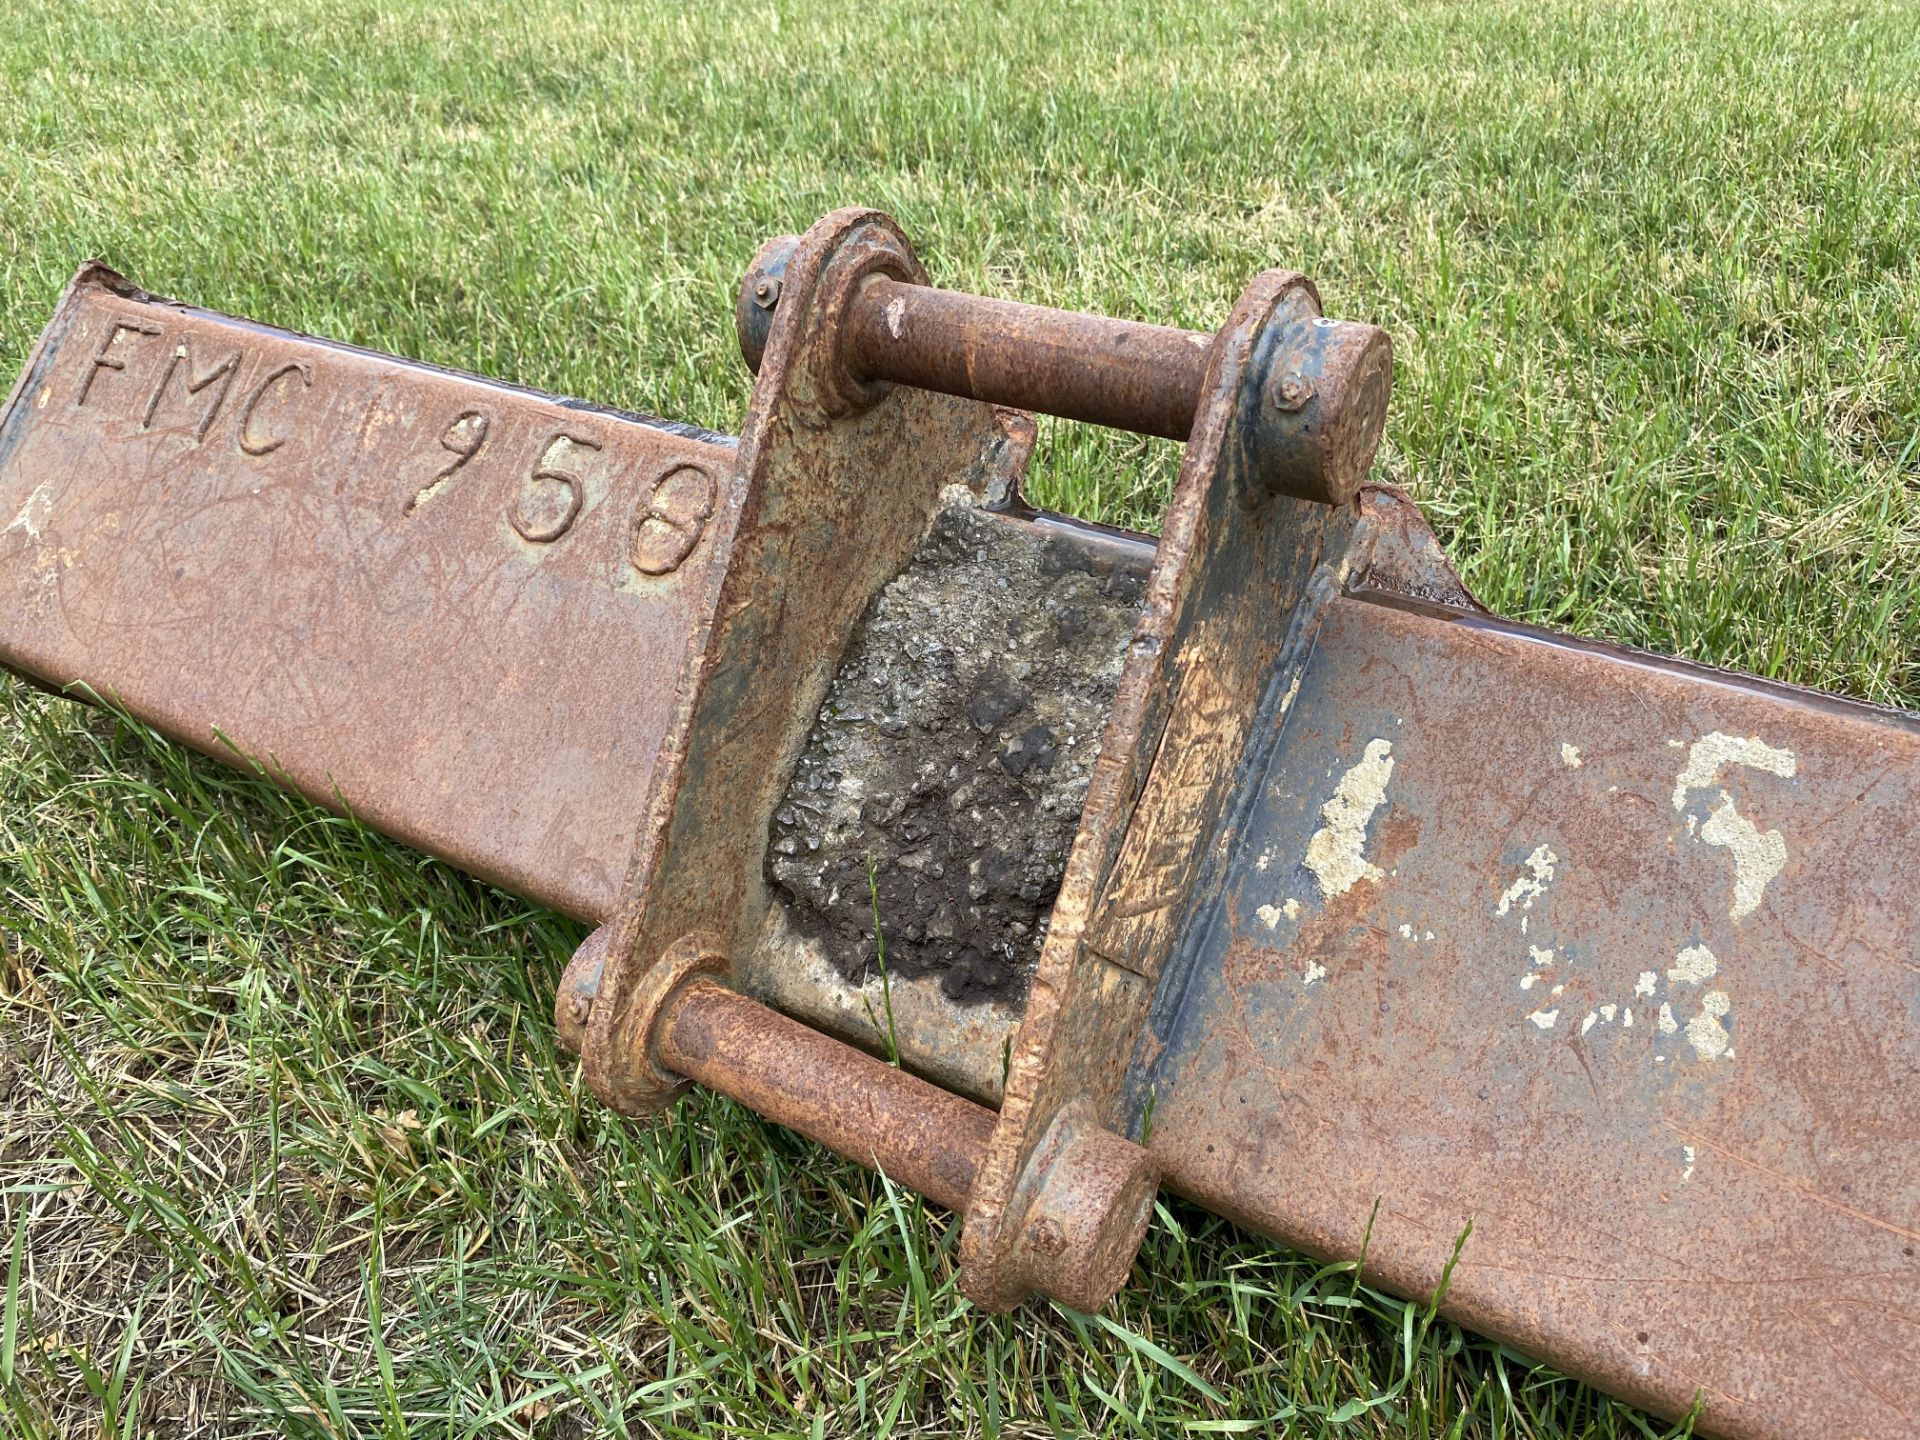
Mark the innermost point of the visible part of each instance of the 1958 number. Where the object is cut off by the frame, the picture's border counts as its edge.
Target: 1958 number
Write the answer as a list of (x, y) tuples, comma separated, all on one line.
[(189, 393)]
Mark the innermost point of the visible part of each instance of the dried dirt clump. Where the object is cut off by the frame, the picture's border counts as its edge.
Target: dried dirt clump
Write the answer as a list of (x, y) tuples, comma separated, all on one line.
[(943, 780)]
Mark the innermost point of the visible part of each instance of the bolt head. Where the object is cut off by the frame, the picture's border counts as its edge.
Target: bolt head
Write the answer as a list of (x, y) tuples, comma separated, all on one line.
[(573, 1006), (1091, 1199), (1292, 392), (1046, 1237)]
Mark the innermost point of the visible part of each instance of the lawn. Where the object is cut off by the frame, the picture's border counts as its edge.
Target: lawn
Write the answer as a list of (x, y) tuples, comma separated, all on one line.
[(286, 1143)]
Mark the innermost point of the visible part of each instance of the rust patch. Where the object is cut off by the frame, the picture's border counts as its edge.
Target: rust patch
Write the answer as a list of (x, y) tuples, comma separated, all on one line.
[(291, 553), (1665, 1116)]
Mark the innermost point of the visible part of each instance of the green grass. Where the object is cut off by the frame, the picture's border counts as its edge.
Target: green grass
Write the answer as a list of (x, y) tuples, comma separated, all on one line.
[(286, 1145)]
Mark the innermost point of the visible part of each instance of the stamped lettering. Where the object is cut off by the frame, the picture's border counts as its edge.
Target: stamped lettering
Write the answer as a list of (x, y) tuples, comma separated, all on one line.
[(373, 432), (464, 438), (550, 501), (251, 439), (671, 520), (221, 374), (104, 359)]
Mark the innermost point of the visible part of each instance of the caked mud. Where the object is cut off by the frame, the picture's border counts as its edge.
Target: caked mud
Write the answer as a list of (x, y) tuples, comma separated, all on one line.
[(942, 783)]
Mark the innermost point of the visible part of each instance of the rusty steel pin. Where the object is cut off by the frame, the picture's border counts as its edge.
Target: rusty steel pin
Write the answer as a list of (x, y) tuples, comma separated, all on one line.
[(1326, 382), (1088, 1194), (1316, 439)]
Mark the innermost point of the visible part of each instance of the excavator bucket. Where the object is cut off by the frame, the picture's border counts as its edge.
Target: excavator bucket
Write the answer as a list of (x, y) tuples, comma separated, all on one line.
[(1258, 861)]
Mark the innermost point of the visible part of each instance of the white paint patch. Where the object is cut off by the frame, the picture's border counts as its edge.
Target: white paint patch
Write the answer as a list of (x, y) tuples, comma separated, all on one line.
[(1312, 973), (1531, 886), (1667, 1023), (1694, 965), (896, 316), (1705, 1033), (1626, 1019), (1541, 959), (1569, 755), (1335, 851), (1607, 1012), (1293, 693), (1270, 915), (1758, 855), (1544, 1018), (1646, 984), (33, 514), (1713, 753), (1429, 935), (1687, 1174), (1406, 932), (1588, 1023)]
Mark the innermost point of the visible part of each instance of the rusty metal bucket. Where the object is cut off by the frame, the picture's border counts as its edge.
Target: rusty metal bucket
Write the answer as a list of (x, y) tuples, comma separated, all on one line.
[(1381, 916)]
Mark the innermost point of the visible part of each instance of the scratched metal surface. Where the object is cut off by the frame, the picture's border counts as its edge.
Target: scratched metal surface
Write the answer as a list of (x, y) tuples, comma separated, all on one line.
[(455, 607), (1614, 958)]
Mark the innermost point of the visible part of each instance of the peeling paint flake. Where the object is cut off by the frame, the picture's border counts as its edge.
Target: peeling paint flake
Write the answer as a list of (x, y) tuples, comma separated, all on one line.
[(1694, 965), (1705, 1033), (1271, 915), (1711, 754), (1293, 693), (1531, 886), (1336, 851), (1544, 1018), (1570, 755), (1541, 959), (33, 514), (1758, 855), (1312, 973)]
